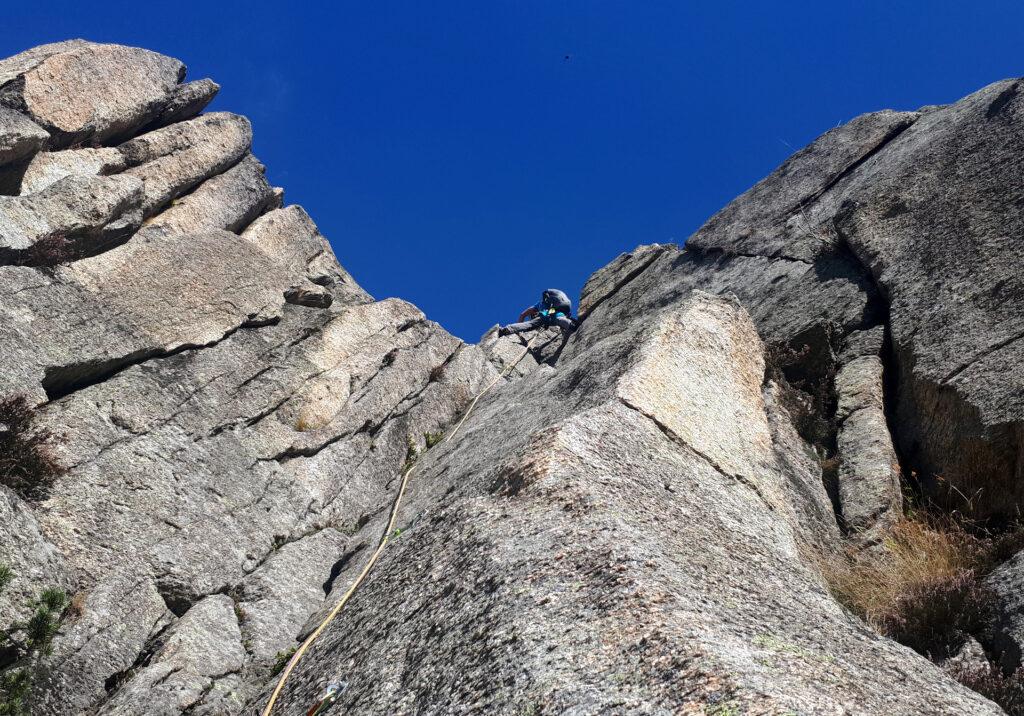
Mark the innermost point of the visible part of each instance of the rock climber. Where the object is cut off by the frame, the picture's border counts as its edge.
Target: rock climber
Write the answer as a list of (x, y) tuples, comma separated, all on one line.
[(554, 309)]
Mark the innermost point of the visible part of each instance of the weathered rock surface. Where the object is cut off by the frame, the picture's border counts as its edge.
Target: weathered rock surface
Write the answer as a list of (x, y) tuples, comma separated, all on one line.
[(290, 237), (172, 160), (781, 216), (31, 557), (933, 218), (200, 651), (228, 201), (48, 168), (186, 101), (630, 522)]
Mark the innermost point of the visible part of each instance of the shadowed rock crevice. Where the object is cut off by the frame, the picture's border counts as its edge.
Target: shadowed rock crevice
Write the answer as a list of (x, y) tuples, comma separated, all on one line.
[(59, 382)]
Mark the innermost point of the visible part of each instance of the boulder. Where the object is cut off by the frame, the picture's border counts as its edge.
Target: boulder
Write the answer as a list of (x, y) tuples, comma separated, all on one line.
[(186, 101), (310, 298), (133, 303), (1007, 583), (291, 238), (228, 201), (969, 658), (83, 91)]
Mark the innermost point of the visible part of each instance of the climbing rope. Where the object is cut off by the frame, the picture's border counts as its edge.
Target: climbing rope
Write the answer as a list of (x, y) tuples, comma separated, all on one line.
[(300, 652)]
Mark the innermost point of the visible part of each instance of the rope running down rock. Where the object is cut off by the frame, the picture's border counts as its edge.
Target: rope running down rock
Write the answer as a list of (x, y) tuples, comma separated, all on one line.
[(300, 652)]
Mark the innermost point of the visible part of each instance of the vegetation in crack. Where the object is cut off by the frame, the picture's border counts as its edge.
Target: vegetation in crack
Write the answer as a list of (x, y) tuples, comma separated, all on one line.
[(1007, 690), (805, 369), (281, 660), (46, 253), (27, 463)]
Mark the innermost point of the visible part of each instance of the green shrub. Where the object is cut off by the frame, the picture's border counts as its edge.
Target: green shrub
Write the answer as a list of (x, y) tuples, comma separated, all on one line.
[(27, 642), (27, 464)]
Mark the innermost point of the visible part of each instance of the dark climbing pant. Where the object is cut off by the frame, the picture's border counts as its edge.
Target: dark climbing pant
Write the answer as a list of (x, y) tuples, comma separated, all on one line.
[(541, 322)]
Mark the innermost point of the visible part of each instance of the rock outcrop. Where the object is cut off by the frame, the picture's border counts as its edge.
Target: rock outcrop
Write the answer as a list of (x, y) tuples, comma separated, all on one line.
[(632, 520)]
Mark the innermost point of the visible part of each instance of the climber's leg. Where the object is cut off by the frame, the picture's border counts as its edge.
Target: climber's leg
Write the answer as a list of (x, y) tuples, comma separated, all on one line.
[(521, 327)]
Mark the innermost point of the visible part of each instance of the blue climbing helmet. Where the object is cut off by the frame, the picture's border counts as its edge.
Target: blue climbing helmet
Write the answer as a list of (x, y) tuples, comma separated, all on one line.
[(555, 301)]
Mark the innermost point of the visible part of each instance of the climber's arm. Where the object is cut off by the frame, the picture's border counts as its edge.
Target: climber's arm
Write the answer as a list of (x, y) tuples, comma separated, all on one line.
[(528, 313)]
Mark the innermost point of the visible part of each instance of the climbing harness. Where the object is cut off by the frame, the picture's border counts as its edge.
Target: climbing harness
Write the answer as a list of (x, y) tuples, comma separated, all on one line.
[(388, 533)]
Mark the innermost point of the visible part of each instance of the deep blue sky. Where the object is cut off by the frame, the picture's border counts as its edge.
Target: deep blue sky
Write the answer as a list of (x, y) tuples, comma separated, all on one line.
[(455, 158)]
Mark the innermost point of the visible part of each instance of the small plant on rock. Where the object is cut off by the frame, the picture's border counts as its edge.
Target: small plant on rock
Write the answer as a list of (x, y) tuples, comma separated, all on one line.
[(27, 464), (433, 439), (281, 660)]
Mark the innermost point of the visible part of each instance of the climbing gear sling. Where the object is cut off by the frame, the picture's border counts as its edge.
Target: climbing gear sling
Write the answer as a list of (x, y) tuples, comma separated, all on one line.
[(388, 532)]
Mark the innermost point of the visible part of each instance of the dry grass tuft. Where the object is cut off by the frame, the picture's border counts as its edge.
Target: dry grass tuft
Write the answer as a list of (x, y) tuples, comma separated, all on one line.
[(921, 587), (27, 462)]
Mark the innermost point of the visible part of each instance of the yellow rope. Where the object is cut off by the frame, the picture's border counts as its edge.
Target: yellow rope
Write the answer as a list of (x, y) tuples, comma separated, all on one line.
[(297, 656)]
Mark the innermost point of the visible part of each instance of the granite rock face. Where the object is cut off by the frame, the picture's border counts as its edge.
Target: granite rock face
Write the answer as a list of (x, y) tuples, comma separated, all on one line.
[(631, 520), (630, 538)]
